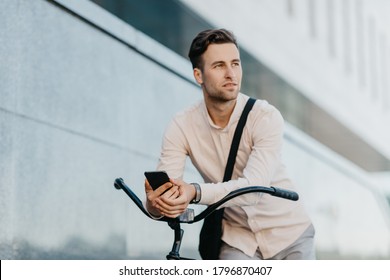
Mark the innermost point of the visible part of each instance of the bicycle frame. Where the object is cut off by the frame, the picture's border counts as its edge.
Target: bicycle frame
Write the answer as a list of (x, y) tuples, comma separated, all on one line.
[(189, 217)]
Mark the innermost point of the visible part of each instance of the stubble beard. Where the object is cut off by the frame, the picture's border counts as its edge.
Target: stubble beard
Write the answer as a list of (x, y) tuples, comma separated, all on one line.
[(220, 96)]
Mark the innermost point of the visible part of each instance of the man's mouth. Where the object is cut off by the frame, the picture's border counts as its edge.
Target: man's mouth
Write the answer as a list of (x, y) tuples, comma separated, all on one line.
[(230, 84)]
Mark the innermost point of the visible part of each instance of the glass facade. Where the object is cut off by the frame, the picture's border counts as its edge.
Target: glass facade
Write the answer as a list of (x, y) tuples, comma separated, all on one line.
[(174, 25)]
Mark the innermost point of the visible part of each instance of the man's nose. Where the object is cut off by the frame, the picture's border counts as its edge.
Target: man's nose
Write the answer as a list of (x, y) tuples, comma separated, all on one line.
[(230, 72)]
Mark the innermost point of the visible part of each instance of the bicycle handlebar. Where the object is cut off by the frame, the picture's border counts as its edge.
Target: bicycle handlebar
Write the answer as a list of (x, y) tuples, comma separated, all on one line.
[(188, 217)]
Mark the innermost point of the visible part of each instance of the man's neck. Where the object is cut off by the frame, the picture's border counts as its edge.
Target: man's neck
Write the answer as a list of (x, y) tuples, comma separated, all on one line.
[(220, 112)]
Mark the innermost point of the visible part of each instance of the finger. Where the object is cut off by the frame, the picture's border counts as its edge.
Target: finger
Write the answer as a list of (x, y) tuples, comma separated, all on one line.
[(171, 213), (148, 187), (177, 182), (175, 194), (163, 188), (165, 207), (150, 194), (170, 193), (173, 201)]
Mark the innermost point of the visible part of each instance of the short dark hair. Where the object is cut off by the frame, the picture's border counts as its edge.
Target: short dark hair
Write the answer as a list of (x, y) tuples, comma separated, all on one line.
[(204, 39)]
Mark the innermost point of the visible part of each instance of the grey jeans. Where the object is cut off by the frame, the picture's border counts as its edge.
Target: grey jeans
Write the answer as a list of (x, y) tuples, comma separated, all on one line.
[(301, 249)]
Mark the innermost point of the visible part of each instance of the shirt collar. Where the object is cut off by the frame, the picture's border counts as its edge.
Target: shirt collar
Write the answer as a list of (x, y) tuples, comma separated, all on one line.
[(233, 118)]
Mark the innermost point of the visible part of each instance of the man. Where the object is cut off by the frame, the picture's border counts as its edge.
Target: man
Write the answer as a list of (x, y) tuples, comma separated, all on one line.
[(255, 226)]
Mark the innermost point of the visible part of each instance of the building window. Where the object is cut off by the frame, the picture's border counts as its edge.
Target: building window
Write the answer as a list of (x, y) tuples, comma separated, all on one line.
[(331, 27), (385, 73), (372, 56), (346, 35), (290, 8), (360, 41), (312, 18)]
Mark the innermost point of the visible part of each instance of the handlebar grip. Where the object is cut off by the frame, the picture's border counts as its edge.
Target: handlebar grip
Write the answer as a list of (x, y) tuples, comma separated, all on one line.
[(117, 183), (291, 195)]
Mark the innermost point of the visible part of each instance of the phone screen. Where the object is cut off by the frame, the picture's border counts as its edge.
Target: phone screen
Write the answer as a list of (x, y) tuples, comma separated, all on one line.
[(156, 178)]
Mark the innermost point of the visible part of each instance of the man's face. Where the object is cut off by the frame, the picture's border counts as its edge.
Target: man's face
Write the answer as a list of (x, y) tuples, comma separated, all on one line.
[(221, 74)]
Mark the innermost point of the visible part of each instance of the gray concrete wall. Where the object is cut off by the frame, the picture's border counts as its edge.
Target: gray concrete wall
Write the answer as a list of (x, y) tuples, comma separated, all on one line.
[(84, 99)]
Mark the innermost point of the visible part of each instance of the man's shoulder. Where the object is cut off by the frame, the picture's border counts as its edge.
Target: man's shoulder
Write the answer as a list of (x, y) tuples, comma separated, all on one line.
[(262, 105), (263, 111)]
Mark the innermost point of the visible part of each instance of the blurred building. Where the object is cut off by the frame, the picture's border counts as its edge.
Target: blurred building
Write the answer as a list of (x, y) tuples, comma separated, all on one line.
[(87, 87)]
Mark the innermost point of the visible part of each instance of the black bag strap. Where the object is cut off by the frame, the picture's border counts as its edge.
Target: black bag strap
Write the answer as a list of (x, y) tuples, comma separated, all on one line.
[(236, 139), (211, 233)]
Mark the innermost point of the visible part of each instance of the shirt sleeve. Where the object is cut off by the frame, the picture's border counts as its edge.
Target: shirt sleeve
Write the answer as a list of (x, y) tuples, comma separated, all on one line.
[(266, 136), (174, 151)]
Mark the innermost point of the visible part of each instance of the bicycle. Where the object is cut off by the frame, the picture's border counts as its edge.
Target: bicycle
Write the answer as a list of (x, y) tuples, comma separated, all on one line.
[(189, 216)]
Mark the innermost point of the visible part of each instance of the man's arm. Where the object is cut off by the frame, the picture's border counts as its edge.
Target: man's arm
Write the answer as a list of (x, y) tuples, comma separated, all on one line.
[(172, 160), (262, 164)]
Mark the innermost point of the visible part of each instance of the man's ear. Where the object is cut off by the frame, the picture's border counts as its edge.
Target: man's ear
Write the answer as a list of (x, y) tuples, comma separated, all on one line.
[(198, 76)]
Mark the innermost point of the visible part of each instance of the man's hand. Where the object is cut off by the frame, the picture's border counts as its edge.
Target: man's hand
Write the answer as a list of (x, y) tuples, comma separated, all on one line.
[(168, 191), (172, 203)]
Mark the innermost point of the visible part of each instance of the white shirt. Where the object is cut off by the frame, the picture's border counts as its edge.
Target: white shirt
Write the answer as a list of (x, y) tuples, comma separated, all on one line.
[(254, 220)]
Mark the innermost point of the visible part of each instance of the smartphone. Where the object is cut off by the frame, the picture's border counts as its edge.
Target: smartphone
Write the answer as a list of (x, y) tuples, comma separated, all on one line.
[(156, 178)]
